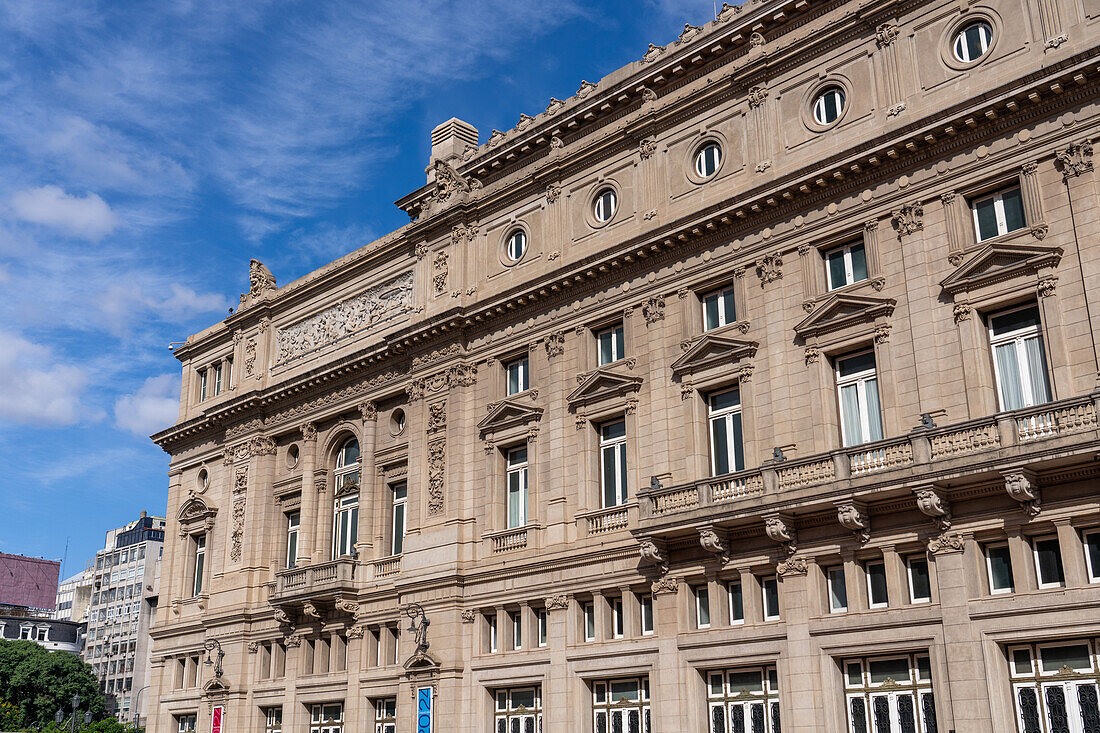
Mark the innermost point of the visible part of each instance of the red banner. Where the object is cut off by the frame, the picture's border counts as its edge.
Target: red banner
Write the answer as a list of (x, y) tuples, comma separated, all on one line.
[(216, 719)]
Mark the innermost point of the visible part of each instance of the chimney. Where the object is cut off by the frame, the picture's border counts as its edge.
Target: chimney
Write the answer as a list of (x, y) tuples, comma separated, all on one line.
[(450, 139), (143, 514)]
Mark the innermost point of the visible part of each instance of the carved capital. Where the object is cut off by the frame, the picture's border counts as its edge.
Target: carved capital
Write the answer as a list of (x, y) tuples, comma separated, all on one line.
[(368, 410), (1047, 286), (665, 584), (553, 191), (853, 516), (791, 566), (469, 615), (757, 96), (769, 268), (946, 543), (812, 354), (253, 647), (357, 631), (932, 503), (557, 603), (653, 310), (886, 34), (309, 432), (1023, 486), (555, 344), (961, 312), (647, 147)]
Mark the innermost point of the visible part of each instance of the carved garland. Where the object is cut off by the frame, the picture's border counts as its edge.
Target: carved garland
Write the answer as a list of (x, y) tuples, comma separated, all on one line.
[(437, 469)]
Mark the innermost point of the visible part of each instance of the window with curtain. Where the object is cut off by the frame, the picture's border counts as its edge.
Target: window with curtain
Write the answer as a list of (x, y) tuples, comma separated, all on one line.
[(613, 463), (1019, 360), (726, 449), (857, 390), (517, 487)]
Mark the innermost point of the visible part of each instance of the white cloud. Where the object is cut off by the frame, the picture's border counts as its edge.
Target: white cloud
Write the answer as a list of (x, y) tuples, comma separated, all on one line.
[(89, 217), (36, 388), (153, 407)]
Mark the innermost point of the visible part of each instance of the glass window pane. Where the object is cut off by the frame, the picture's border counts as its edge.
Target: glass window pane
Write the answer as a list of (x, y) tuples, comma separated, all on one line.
[(609, 488), (1000, 568), (1017, 320), (1008, 376), (1021, 661), (1048, 559), (771, 598), (859, 263), (1037, 370), (986, 214), (918, 578), (746, 682), (737, 603), (1092, 553), (855, 674), (853, 365), (838, 592), (1074, 656), (850, 415), (725, 400), (1014, 209), (876, 582), (837, 276), (398, 529), (884, 669), (624, 690), (719, 447), (702, 606), (710, 308), (729, 306), (738, 447), (874, 411), (612, 430)]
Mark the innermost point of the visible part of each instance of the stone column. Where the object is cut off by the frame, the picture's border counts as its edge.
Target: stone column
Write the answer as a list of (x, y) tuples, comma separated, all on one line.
[(556, 696), (295, 716), (1073, 559), (799, 667), (322, 538), (1023, 564), (368, 481), (897, 584), (308, 510), (664, 684), (964, 704)]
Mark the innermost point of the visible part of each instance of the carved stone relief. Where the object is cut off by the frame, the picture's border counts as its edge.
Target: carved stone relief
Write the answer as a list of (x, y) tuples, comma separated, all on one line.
[(437, 470)]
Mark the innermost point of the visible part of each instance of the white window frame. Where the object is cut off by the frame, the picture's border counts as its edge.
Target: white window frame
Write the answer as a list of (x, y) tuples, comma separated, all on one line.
[(346, 473), (605, 205), (515, 618), (1041, 584), (293, 527), (510, 715), (914, 686), (723, 297), (617, 448), (737, 617), (204, 384), (830, 584), (544, 627), (618, 343), (217, 367), (615, 714), (588, 613), (271, 724), (820, 111), (1038, 681), (400, 497), (849, 268), (516, 247), (998, 210), (764, 598), (989, 568), (725, 415), (618, 618), (343, 543), (860, 380), (494, 639), (959, 43), (870, 593), (186, 723), (522, 368), (646, 618), (1018, 337), (724, 699), (702, 158), (200, 564), (909, 575), (1093, 567), (701, 594), (321, 724), (517, 469), (385, 715)]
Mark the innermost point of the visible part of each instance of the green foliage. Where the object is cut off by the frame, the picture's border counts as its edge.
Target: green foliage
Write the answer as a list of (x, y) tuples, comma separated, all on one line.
[(36, 683)]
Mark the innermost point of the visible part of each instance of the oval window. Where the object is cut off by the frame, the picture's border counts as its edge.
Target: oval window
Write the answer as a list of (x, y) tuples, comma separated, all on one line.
[(397, 421), (828, 106), (606, 204), (517, 244), (707, 160), (203, 480), (972, 41), (292, 455)]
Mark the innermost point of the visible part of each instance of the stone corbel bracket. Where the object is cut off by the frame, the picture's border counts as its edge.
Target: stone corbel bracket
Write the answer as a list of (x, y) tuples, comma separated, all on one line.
[(714, 543), (780, 528), (654, 552), (1023, 486), (853, 516), (932, 502)]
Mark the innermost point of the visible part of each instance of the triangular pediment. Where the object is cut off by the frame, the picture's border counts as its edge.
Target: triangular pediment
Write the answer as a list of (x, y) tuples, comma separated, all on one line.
[(842, 310), (711, 351), (602, 384), (1000, 262), (507, 414)]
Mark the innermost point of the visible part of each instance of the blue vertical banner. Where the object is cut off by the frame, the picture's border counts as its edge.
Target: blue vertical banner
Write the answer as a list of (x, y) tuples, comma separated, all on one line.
[(424, 710)]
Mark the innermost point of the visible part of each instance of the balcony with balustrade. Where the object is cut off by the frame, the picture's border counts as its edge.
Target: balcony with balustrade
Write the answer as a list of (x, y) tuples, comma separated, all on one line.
[(1055, 433), (323, 582)]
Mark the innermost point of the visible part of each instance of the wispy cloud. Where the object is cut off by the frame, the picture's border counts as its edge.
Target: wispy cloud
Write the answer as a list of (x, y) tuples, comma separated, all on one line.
[(37, 388), (87, 217), (153, 407)]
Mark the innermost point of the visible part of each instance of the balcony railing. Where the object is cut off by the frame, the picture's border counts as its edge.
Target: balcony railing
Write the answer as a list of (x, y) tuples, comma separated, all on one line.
[(329, 578), (386, 567), (923, 447), (611, 519), (509, 540)]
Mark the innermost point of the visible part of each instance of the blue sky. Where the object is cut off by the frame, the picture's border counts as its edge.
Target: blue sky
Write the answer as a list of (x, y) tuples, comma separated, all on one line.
[(149, 149)]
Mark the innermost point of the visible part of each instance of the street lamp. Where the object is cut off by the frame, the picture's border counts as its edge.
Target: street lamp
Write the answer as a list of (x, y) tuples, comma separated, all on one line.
[(137, 706), (59, 716), (210, 646)]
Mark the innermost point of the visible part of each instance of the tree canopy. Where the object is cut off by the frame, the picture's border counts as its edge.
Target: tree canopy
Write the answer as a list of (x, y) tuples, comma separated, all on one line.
[(35, 683)]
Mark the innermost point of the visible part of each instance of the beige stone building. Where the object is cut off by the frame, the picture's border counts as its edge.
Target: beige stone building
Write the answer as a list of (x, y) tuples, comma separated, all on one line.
[(753, 387)]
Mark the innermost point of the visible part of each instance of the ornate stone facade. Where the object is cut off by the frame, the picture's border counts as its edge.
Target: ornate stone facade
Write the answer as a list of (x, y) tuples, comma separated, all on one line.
[(821, 298)]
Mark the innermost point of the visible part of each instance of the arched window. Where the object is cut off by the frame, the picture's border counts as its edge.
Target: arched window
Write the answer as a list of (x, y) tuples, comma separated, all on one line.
[(345, 520)]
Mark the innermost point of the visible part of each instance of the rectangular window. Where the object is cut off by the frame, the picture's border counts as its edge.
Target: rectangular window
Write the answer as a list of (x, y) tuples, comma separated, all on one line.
[(217, 378), (611, 344), (517, 487), (718, 309), (400, 501), (838, 591), (736, 602), (645, 602), (200, 562), (25, 633), (327, 718), (747, 698), (293, 522), (1048, 562), (204, 384), (518, 709), (543, 631), (1019, 360), (385, 715), (920, 583), (274, 720), (494, 644), (519, 375), (702, 607), (41, 633), (345, 525), (1059, 691), (890, 694), (857, 390), (613, 463), (998, 562), (589, 621), (621, 705), (726, 449), (999, 213), (516, 620), (769, 589), (1092, 555), (618, 618), (185, 723), (876, 584), (846, 265)]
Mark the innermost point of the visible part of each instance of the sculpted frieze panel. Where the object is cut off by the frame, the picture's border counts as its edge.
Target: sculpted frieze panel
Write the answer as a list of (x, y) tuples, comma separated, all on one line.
[(378, 304)]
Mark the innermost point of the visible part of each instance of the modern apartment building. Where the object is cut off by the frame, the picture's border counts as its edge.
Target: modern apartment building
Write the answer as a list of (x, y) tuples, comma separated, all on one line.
[(753, 387), (74, 594), (122, 610)]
